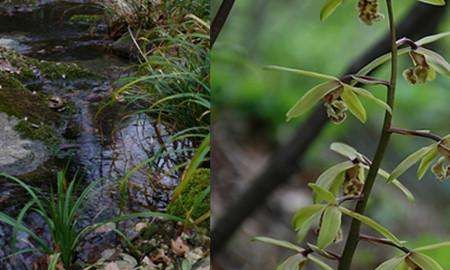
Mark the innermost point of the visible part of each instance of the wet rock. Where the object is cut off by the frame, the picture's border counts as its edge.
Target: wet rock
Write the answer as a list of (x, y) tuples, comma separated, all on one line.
[(124, 47), (18, 156), (94, 97), (56, 102), (13, 44)]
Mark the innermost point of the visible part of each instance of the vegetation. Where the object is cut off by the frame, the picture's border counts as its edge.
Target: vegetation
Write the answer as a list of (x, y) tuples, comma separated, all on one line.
[(348, 181), (61, 211), (170, 83), (193, 203)]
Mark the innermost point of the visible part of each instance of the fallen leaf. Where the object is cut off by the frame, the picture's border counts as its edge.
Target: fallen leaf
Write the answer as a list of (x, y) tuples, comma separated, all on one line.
[(140, 226), (179, 247), (160, 257), (112, 266), (106, 228)]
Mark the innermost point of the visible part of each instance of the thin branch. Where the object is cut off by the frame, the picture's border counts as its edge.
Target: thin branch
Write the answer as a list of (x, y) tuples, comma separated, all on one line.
[(383, 241), (353, 235), (418, 133), (220, 19)]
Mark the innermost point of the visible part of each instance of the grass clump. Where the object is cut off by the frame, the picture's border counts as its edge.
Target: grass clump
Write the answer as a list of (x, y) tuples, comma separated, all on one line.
[(193, 203), (60, 211)]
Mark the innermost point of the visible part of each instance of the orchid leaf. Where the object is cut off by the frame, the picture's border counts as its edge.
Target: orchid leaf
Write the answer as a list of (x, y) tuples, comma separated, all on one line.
[(434, 246), (424, 262), (426, 160), (304, 73), (432, 38), (313, 96), (366, 94), (292, 262), (354, 104), (319, 263), (304, 214), (345, 150), (321, 194), (329, 8), (434, 2), (329, 227), (404, 190), (408, 162), (328, 177), (373, 224), (306, 226), (397, 184), (278, 243), (391, 264), (368, 80)]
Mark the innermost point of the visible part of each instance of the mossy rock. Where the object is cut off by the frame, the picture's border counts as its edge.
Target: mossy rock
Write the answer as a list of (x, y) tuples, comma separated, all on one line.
[(188, 204), (86, 19), (29, 70), (19, 75), (37, 121)]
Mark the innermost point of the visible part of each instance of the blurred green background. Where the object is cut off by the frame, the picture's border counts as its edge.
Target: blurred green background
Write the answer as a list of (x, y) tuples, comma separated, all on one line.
[(250, 106)]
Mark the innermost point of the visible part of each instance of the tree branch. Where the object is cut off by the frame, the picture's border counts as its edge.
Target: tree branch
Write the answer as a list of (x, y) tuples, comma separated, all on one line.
[(220, 19)]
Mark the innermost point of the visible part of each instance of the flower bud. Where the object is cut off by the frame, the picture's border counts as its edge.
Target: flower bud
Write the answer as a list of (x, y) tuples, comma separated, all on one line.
[(441, 169), (409, 75), (354, 184), (368, 11), (336, 108), (353, 187), (421, 72)]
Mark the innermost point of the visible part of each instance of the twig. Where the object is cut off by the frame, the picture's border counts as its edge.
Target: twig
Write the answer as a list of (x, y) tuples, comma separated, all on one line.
[(418, 133), (383, 241)]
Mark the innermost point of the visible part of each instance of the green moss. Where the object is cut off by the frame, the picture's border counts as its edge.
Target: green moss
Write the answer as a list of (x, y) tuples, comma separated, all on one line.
[(187, 205), (43, 132), (30, 69), (86, 19), (41, 122), (38, 121)]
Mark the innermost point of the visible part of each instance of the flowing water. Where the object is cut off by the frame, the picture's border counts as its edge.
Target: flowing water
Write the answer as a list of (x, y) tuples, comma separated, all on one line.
[(117, 154)]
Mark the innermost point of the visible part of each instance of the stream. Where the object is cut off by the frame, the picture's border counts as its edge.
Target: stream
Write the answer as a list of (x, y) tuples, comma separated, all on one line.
[(105, 153)]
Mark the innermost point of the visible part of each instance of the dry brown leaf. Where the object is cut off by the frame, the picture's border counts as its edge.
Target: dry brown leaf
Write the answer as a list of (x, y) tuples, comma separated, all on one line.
[(160, 257), (179, 247)]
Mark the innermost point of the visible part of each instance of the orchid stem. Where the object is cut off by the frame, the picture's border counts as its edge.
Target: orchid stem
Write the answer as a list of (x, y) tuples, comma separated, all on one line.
[(353, 236)]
